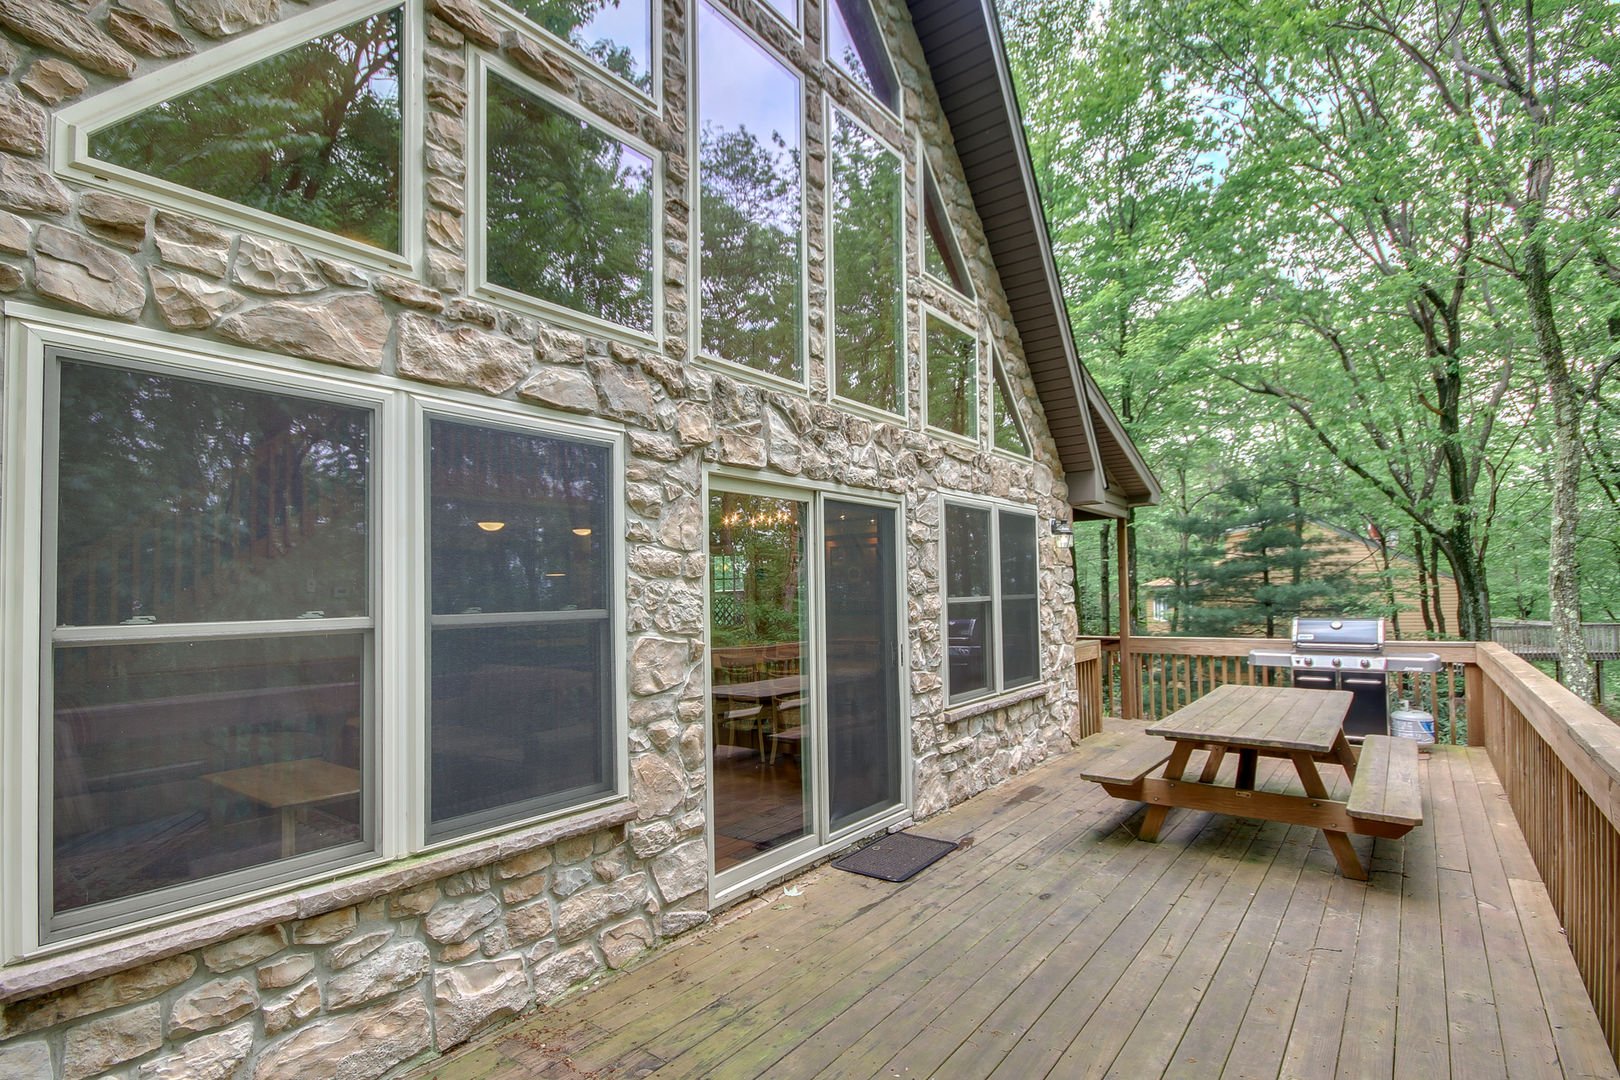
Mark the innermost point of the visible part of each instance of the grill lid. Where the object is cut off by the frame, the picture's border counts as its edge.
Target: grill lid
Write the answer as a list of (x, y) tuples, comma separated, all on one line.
[(1338, 635)]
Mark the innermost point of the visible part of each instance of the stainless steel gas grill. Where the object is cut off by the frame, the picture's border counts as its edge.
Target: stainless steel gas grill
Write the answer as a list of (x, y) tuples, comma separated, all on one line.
[(1347, 654)]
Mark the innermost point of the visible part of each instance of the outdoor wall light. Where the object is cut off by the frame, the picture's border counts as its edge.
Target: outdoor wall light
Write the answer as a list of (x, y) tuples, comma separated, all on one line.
[(1064, 531), (582, 531)]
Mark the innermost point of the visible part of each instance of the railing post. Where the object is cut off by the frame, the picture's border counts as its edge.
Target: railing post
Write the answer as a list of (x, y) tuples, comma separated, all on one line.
[(1474, 705)]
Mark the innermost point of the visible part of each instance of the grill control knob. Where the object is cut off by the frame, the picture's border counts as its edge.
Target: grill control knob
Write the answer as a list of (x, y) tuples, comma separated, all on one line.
[(1365, 662), (1309, 661), (1337, 662)]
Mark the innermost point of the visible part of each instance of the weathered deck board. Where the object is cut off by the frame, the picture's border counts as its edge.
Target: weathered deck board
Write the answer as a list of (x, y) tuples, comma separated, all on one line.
[(1057, 945)]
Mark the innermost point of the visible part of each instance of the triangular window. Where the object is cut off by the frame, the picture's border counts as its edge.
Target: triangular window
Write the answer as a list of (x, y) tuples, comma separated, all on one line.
[(855, 44), (942, 258), (312, 134), (1007, 430), (617, 34)]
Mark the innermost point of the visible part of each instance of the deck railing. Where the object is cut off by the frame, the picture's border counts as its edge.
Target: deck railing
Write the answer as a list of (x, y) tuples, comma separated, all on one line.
[(1558, 760)]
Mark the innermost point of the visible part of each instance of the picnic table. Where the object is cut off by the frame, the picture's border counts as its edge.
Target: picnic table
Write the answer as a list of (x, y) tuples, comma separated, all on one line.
[(1304, 726)]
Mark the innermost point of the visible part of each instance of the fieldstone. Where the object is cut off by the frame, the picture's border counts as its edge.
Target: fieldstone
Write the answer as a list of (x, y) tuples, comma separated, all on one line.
[(270, 266), (52, 81), (650, 839), (25, 1061), (85, 275), (293, 1009), (285, 972), (22, 123), (190, 243), (538, 60), (574, 849), (358, 1046), (468, 997), (446, 193), (445, 229), (222, 18), (554, 975), (465, 16), (8, 58), (736, 448), (340, 273), (212, 1057), (327, 929), (671, 923), (682, 526), (11, 278), (146, 26), (60, 29), (681, 871), (455, 954), (212, 1005), (658, 787), (569, 880), (624, 943), (693, 424), (445, 132), (446, 271), (530, 862), (413, 902), (347, 953), (454, 923), (394, 968), (99, 1044), (408, 293), (99, 995), (14, 234), (29, 189), (530, 922), (569, 389), (114, 217), (515, 892), (625, 392), (248, 949), (656, 664), (585, 911), (466, 883), (187, 302), (459, 355), (349, 330)]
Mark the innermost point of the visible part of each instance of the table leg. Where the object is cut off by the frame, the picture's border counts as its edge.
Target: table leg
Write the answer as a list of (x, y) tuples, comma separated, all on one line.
[(1344, 755), (289, 831), (1212, 764), (1174, 769), (1247, 762), (1349, 862)]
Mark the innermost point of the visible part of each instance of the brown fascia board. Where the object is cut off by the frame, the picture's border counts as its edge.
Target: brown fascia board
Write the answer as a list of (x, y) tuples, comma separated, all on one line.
[(968, 60)]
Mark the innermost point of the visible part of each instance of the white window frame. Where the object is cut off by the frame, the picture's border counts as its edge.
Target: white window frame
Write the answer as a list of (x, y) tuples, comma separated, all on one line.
[(477, 204), (396, 742), (508, 16), (998, 365), (694, 200), (795, 25), (925, 173), (71, 156), (898, 110), (998, 685), (834, 111), (979, 426)]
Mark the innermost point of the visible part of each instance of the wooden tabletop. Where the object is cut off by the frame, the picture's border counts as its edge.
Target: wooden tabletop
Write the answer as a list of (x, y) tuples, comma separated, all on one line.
[(761, 689), (1270, 717), (283, 784)]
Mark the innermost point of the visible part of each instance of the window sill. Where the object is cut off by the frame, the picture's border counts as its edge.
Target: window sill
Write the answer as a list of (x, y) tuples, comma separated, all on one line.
[(56, 970), (980, 706)]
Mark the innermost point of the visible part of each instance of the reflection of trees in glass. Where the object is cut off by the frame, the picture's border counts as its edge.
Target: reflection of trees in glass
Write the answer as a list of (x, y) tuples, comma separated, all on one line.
[(183, 500), (1006, 431), (311, 134), (765, 536), (569, 214), (855, 44), (615, 33), (942, 259), (867, 258), (953, 378)]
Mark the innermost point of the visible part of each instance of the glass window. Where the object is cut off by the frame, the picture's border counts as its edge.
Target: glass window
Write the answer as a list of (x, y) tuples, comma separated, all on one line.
[(312, 134), (521, 699), (206, 715), (942, 256), (617, 34), (992, 604), (1007, 430), (855, 44), (868, 362), (569, 215), (952, 359), (749, 162), (788, 9)]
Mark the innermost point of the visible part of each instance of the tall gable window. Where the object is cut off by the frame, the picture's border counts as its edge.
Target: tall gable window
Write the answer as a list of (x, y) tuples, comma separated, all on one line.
[(867, 317), (951, 359), (942, 256), (788, 9), (749, 151), (1007, 430), (855, 45), (312, 134), (992, 614), (569, 210), (617, 34)]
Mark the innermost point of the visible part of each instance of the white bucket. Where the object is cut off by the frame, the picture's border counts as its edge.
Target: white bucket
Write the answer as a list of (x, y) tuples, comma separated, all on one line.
[(1409, 723)]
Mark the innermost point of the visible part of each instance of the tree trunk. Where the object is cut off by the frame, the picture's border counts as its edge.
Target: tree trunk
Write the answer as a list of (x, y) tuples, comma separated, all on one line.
[(1104, 594)]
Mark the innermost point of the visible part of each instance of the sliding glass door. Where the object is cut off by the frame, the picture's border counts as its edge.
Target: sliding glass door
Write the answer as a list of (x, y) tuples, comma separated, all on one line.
[(806, 720)]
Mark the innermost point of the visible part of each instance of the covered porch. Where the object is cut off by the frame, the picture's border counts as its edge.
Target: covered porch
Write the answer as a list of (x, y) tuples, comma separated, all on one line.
[(1054, 943)]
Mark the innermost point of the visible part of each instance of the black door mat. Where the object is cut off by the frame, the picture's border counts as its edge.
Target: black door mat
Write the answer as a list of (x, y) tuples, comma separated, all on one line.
[(896, 857)]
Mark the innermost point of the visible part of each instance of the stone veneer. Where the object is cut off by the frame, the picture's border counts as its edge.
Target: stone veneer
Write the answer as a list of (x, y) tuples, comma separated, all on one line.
[(387, 965)]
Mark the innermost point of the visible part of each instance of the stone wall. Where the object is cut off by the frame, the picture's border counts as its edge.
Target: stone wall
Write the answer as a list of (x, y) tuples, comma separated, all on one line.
[(386, 966)]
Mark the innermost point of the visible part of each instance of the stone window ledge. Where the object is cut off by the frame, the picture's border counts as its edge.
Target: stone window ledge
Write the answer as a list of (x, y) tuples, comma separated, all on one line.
[(1001, 701), (62, 969)]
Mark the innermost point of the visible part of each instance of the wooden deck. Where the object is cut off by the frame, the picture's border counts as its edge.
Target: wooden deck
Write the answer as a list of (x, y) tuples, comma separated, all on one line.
[(1055, 944)]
